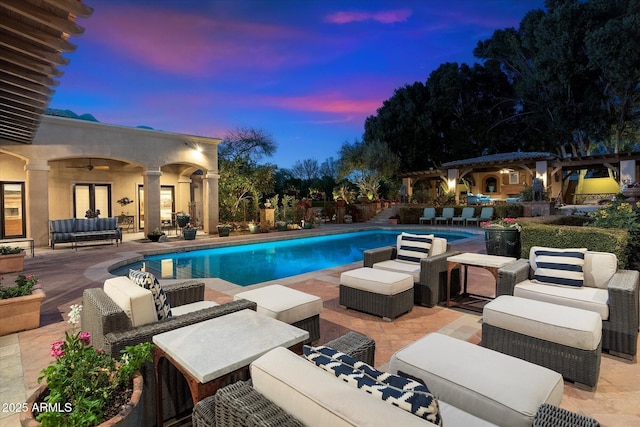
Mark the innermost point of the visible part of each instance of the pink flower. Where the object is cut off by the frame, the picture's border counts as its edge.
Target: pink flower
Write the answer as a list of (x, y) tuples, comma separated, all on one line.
[(56, 349), (85, 337)]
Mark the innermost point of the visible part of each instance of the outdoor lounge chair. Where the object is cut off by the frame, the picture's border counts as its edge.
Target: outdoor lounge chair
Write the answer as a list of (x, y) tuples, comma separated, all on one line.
[(111, 330), (429, 214), (447, 215), (605, 289), (466, 214), (429, 272), (485, 215)]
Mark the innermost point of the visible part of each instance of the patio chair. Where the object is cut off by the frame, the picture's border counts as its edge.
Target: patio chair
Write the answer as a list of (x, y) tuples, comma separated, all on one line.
[(485, 215), (466, 214), (447, 215), (600, 287), (112, 329), (429, 271), (429, 214)]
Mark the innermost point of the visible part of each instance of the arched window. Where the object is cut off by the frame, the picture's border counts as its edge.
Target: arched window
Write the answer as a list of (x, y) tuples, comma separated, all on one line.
[(491, 185)]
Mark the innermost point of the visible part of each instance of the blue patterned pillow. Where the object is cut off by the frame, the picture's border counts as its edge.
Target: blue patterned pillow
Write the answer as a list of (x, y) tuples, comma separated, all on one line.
[(414, 247), (560, 266), (402, 392), (148, 281)]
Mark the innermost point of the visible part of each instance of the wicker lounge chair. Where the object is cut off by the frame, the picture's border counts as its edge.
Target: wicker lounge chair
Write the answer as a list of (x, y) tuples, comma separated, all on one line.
[(432, 283), (111, 330), (620, 329)]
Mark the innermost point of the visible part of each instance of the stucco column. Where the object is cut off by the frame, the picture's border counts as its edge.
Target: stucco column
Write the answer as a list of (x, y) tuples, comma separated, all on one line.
[(37, 201), (210, 208), (183, 194), (151, 180)]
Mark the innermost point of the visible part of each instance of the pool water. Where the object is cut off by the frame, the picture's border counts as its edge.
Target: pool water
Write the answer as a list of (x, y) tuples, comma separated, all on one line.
[(260, 262)]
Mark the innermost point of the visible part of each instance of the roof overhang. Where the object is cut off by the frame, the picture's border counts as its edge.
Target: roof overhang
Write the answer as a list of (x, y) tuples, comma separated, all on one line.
[(33, 36)]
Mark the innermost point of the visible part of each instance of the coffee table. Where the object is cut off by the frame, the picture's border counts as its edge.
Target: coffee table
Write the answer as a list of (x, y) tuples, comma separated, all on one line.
[(491, 263), (216, 352)]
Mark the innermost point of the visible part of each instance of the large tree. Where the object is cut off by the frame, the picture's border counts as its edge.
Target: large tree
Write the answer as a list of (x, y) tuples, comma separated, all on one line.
[(561, 64), (242, 179), (367, 164)]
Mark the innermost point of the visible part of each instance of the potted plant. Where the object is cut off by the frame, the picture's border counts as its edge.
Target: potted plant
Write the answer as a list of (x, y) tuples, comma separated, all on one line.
[(20, 305), (155, 235), (189, 232), (11, 259), (224, 230), (182, 219), (84, 386), (254, 227), (502, 237), (281, 225)]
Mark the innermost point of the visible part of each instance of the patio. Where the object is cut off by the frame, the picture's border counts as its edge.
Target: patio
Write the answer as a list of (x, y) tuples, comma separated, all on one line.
[(614, 402)]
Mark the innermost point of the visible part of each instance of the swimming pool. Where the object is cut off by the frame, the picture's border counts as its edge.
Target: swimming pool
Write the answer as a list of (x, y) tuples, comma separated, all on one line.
[(253, 263)]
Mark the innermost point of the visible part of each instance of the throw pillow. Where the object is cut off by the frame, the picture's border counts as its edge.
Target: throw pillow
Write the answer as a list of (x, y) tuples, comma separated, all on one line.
[(148, 281), (560, 266), (414, 247), (404, 393)]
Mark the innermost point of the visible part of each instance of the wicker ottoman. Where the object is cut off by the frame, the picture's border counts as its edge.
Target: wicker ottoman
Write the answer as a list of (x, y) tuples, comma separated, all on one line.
[(565, 339), (288, 305), (383, 293)]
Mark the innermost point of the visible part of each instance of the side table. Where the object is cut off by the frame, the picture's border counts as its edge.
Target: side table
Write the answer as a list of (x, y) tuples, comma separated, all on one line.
[(491, 263)]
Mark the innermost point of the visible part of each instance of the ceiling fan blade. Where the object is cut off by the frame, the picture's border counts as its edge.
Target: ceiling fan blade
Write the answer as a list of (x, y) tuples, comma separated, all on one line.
[(101, 168)]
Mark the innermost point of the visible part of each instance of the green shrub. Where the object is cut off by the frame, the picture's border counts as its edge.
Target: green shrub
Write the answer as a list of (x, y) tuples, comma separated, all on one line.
[(616, 241), (510, 210), (625, 216), (410, 214)]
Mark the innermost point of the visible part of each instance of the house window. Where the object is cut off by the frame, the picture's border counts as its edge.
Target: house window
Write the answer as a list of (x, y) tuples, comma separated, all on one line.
[(93, 197), (12, 218), (491, 185), (167, 205), (514, 178)]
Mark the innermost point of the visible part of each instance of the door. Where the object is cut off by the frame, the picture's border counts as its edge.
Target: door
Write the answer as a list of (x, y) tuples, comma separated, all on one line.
[(12, 203), (89, 199)]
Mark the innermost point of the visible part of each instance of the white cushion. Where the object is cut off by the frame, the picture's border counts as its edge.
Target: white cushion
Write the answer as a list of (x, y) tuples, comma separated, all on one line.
[(190, 308), (560, 324), (377, 281), (400, 267), (490, 385), (282, 303), (458, 417), (599, 267), (586, 298), (559, 266), (413, 247), (317, 398), (136, 301), (438, 246)]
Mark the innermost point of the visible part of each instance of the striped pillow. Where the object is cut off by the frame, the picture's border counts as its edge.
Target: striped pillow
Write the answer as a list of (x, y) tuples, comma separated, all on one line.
[(404, 393), (414, 247), (560, 266), (149, 281)]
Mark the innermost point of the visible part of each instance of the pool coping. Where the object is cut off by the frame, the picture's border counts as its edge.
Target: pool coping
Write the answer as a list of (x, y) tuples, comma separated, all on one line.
[(102, 271)]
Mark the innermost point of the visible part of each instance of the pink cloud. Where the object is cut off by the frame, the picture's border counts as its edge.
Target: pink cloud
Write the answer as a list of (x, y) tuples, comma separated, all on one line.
[(326, 103), (384, 17), (197, 45)]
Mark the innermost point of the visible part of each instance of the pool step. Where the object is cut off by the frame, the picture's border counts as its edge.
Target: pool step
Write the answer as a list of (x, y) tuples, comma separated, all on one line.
[(382, 217)]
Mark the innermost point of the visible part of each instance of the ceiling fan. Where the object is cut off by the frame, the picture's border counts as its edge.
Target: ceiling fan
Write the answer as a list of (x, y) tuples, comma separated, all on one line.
[(90, 167)]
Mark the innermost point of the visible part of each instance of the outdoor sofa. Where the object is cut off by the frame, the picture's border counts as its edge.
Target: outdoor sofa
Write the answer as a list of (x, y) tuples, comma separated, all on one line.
[(325, 388), (429, 271), (74, 230), (112, 330), (600, 287)]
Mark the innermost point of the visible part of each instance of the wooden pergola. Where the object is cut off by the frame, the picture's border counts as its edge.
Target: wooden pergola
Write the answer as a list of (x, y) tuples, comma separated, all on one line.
[(33, 36)]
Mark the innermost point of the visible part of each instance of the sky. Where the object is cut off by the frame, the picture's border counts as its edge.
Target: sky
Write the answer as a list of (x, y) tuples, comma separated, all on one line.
[(307, 72)]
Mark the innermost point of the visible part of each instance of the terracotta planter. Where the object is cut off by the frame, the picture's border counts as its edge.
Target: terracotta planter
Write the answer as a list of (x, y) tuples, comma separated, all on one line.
[(130, 416), (12, 263), (632, 192), (20, 313)]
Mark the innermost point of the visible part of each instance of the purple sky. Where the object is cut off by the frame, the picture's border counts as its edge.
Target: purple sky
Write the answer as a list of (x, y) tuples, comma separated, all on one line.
[(308, 72)]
